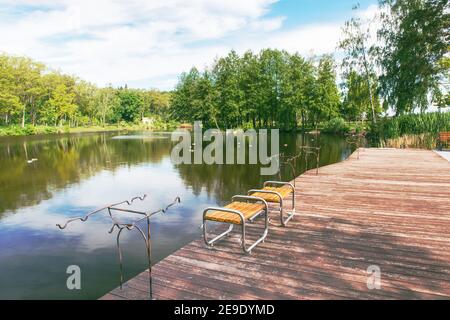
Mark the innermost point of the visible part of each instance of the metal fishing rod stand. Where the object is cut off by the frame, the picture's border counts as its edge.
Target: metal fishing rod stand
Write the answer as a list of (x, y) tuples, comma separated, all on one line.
[(121, 226), (291, 161), (356, 140), (315, 151)]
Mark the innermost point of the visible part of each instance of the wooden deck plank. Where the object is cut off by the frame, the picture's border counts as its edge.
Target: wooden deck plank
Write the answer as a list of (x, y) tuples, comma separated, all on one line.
[(390, 208)]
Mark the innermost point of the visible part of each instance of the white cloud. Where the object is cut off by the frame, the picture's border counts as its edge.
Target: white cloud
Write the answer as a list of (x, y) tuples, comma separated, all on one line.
[(311, 39), (147, 43), (268, 24)]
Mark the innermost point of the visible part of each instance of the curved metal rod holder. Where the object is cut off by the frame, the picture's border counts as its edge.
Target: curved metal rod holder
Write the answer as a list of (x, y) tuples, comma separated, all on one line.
[(87, 216), (355, 140), (128, 226), (314, 151), (291, 161)]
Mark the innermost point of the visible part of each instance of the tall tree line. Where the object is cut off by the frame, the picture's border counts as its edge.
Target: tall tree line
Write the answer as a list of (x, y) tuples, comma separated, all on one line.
[(31, 94), (405, 69), (270, 89)]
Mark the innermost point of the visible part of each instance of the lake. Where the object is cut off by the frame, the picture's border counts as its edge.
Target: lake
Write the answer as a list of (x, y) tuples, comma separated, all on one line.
[(74, 174)]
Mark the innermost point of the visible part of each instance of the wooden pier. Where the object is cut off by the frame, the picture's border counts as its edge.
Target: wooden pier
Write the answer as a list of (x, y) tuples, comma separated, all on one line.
[(390, 208)]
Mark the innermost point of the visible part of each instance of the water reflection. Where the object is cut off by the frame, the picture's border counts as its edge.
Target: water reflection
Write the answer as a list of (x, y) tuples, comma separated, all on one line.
[(224, 181), (65, 161), (77, 173)]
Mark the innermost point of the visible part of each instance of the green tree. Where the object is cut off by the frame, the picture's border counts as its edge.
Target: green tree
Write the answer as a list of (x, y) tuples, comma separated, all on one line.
[(271, 89), (205, 101), (442, 88), (106, 101), (298, 90), (328, 97), (48, 112), (250, 82), (61, 106), (9, 102), (42, 96), (356, 102), (85, 100), (415, 37), (180, 103), (27, 75), (130, 105), (225, 75), (272, 68), (159, 102), (189, 96), (359, 57)]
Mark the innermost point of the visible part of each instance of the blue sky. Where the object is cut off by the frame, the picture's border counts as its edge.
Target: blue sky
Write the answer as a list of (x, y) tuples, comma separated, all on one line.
[(147, 43), (313, 11)]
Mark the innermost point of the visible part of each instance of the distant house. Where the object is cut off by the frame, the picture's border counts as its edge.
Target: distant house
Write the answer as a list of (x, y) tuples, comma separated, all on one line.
[(147, 121)]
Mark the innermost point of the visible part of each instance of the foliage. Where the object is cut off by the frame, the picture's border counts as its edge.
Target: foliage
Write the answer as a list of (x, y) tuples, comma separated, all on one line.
[(31, 94), (357, 104), (328, 98), (414, 36), (412, 124), (129, 106), (420, 141), (358, 65), (17, 130), (269, 89), (336, 126)]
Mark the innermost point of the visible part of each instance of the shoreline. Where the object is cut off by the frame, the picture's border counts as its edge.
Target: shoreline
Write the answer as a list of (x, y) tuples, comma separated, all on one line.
[(15, 131), (29, 130)]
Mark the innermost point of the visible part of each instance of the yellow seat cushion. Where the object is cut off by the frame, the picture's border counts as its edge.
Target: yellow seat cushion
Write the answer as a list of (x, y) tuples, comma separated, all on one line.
[(284, 191), (248, 210)]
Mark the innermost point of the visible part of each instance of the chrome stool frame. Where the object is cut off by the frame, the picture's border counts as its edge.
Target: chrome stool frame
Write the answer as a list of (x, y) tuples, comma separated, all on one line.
[(291, 213), (243, 223)]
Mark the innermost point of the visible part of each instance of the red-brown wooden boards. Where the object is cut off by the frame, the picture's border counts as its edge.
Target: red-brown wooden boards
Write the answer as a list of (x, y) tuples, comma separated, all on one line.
[(389, 209)]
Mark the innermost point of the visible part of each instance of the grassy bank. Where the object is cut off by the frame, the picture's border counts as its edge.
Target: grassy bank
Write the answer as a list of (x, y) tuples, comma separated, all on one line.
[(36, 130)]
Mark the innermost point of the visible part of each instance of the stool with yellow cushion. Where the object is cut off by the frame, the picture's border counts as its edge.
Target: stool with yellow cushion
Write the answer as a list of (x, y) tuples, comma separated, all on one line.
[(277, 192), (243, 209)]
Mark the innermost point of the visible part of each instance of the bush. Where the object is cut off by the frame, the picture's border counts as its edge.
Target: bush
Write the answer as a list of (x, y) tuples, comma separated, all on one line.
[(411, 127), (336, 126), (48, 130), (359, 128), (84, 121), (29, 130), (17, 130)]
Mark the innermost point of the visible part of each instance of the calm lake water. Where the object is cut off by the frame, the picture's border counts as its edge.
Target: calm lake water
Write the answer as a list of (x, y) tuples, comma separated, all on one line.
[(77, 173)]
